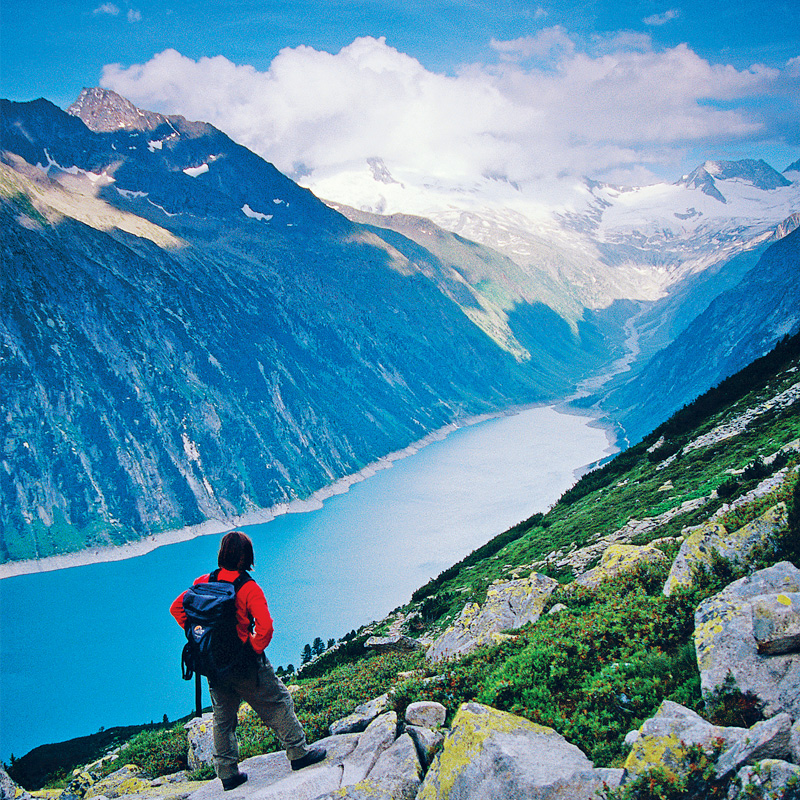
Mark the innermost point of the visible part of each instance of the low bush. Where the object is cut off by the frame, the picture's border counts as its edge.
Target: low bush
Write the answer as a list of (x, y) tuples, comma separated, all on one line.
[(158, 752)]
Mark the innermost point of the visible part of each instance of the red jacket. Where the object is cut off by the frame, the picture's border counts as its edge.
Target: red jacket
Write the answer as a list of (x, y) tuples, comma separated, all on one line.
[(250, 604)]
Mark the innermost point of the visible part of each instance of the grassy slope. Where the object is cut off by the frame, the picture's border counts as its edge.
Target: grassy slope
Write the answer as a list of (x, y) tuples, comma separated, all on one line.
[(597, 670)]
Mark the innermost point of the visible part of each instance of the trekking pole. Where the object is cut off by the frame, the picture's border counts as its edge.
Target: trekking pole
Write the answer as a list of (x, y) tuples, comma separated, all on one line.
[(198, 695)]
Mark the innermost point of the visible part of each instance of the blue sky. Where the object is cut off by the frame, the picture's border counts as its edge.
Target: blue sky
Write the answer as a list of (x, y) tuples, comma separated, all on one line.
[(727, 73)]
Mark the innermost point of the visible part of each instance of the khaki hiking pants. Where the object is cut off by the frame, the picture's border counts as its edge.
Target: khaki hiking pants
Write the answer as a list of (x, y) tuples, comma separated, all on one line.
[(270, 699)]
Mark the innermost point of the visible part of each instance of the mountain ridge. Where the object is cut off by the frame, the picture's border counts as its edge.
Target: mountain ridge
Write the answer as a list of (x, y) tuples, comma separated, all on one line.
[(212, 341)]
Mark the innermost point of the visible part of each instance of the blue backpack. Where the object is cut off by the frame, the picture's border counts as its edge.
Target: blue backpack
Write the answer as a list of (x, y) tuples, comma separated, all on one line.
[(213, 647)]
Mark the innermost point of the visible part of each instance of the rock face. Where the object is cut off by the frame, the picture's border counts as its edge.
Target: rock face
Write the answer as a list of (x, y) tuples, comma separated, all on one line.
[(490, 753), (726, 643), (619, 558), (736, 547), (509, 604)]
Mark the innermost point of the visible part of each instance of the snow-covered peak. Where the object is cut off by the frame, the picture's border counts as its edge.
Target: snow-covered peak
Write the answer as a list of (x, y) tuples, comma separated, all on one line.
[(758, 173)]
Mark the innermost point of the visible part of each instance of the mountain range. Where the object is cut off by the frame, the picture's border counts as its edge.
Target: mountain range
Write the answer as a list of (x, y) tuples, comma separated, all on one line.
[(188, 334)]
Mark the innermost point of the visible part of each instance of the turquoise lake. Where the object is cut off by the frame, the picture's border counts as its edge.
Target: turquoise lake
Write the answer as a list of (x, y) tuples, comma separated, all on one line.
[(94, 645)]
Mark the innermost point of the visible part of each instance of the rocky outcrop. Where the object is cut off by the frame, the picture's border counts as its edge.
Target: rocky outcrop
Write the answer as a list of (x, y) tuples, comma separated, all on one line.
[(490, 753), (737, 546), (770, 779), (725, 640), (126, 780), (9, 790), (361, 717), (619, 558), (664, 739), (509, 604), (392, 644)]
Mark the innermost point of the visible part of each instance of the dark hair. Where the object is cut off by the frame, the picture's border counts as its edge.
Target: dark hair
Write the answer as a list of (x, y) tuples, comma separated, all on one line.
[(235, 552)]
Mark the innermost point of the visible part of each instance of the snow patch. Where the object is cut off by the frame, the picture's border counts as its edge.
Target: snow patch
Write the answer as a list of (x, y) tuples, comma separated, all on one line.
[(248, 212), (129, 194), (195, 171), (157, 145)]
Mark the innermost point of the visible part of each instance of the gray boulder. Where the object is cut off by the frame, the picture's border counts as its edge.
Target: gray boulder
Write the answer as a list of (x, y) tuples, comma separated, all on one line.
[(397, 775), (398, 643), (794, 742), (619, 558), (725, 641), (426, 714), (200, 733), (509, 604), (379, 736), (493, 754), (736, 546), (767, 739), (361, 716), (129, 779), (771, 779), (664, 739)]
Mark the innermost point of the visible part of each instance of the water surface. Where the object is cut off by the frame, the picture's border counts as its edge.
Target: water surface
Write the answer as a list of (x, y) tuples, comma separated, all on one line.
[(94, 645)]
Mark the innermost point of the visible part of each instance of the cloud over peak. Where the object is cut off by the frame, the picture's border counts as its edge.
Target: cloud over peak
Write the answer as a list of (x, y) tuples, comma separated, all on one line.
[(550, 106)]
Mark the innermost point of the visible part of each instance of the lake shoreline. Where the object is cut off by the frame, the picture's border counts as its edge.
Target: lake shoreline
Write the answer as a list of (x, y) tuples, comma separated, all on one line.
[(218, 526)]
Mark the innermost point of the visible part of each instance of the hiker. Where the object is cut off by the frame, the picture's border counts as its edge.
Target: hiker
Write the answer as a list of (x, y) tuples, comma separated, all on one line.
[(252, 677)]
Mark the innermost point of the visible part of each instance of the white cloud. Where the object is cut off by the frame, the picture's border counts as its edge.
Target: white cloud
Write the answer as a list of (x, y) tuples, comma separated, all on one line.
[(550, 108), (662, 19), (107, 8), (134, 15)]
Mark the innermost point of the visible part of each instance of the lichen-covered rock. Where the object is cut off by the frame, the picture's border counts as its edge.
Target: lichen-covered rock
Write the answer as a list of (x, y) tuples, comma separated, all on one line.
[(76, 789), (426, 714), (399, 643), (664, 738), (126, 780), (509, 604), (767, 739), (770, 779), (9, 790), (794, 742), (776, 623), (361, 716), (735, 546), (200, 733), (493, 754), (619, 558), (725, 642)]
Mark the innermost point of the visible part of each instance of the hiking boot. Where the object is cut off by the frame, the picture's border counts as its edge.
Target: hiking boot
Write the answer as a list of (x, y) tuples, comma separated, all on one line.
[(311, 757), (234, 781)]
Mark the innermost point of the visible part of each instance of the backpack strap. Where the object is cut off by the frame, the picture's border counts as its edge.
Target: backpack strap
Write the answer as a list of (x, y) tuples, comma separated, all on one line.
[(244, 577)]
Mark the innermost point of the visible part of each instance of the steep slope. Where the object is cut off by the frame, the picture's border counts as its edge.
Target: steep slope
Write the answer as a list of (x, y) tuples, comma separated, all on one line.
[(186, 334), (607, 655), (738, 326)]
